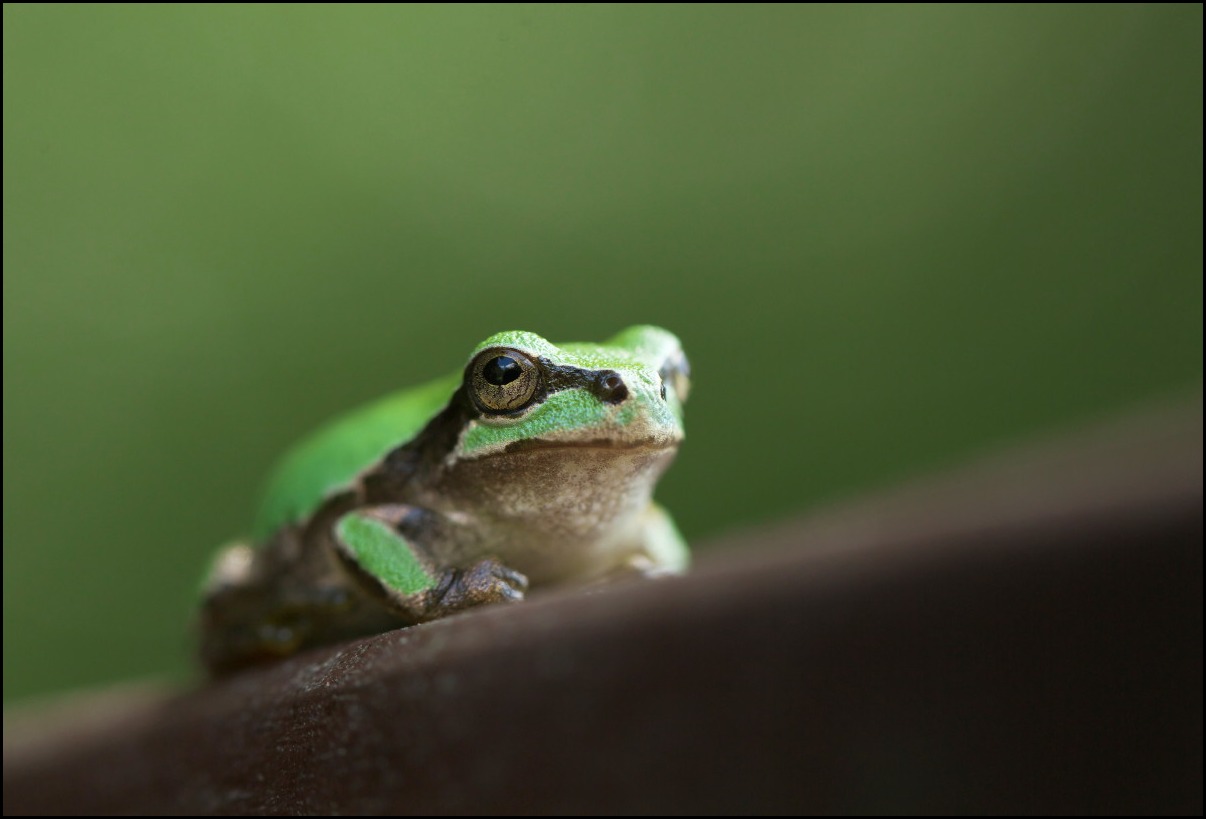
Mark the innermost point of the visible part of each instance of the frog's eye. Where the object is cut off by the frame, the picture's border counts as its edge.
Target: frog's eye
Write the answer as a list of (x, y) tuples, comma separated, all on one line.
[(676, 373), (503, 380)]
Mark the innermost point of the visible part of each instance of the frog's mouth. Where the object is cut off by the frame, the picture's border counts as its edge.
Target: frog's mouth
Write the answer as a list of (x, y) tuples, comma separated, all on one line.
[(605, 444)]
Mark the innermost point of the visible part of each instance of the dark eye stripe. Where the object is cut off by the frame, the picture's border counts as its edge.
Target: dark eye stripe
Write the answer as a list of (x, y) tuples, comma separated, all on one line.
[(499, 382)]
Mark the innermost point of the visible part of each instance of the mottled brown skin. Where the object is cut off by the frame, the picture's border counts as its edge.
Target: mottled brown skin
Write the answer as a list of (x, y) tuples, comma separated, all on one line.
[(294, 596), (299, 591)]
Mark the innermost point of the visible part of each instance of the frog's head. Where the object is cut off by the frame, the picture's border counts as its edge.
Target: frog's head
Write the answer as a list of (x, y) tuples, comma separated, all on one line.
[(529, 393)]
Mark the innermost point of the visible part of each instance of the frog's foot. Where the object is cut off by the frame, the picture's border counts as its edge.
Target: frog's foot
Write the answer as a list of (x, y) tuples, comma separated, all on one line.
[(633, 567), (404, 576), (483, 583), (641, 565), (660, 551)]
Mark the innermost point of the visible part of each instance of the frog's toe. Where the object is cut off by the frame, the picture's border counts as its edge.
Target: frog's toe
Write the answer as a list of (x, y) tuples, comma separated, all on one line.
[(495, 582), (487, 581), (512, 578)]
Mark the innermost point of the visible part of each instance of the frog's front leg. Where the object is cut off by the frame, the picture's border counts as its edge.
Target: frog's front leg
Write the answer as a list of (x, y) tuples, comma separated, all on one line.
[(657, 549), (371, 543)]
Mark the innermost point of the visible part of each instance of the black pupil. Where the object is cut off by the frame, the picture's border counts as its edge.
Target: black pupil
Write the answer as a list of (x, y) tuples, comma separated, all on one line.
[(501, 370)]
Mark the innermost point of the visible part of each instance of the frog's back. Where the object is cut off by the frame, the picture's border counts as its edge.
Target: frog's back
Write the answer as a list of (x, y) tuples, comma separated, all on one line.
[(329, 460)]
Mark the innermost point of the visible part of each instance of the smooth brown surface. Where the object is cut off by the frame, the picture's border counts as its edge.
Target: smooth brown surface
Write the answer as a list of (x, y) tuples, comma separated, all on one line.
[(1024, 635)]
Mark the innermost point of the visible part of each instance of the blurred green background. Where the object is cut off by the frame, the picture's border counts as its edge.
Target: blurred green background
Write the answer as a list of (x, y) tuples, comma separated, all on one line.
[(890, 237)]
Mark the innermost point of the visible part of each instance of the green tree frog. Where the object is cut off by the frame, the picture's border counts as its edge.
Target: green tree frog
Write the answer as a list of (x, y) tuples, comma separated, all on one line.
[(534, 466)]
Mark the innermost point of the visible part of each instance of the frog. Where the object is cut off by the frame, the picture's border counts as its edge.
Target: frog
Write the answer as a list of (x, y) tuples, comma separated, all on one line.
[(533, 467)]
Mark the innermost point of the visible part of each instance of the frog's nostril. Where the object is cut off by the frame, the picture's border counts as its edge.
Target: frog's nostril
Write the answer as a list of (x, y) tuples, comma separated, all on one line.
[(610, 387)]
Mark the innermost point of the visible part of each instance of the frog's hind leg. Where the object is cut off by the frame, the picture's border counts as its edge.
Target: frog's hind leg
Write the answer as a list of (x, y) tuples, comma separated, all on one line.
[(233, 632), (363, 577), (371, 544), (261, 605)]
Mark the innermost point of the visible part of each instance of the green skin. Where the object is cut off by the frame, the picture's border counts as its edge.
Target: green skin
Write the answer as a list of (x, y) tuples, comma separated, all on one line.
[(534, 467)]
